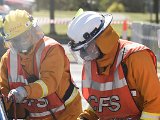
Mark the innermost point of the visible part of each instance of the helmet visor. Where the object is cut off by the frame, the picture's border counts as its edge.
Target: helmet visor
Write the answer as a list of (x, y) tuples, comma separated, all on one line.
[(88, 52), (25, 41)]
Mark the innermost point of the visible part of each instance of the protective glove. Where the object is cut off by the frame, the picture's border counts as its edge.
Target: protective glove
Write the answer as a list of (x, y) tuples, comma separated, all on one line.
[(88, 115), (82, 118), (19, 94)]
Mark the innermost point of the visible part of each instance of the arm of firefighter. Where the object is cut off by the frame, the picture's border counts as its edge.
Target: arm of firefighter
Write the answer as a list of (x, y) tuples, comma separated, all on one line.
[(147, 83), (88, 114), (4, 79), (51, 72)]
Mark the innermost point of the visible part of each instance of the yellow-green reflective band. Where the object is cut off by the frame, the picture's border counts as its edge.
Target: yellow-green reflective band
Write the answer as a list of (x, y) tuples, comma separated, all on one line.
[(150, 116), (79, 12), (91, 109), (72, 97), (44, 87)]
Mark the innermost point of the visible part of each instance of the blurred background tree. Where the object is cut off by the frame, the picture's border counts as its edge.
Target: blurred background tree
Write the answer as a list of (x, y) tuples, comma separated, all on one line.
[(97, 5)]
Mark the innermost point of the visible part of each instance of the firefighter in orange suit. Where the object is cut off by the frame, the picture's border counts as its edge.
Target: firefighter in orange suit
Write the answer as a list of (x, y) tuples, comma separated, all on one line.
[(35, 72), (119, 78)]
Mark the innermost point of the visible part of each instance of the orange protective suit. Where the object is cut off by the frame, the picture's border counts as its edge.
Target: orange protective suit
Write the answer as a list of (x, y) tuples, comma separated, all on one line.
[(56, 76), (142, 76)]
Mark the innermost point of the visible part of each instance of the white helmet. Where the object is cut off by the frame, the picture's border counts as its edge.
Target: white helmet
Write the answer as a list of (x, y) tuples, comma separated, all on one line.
[(86, 27)]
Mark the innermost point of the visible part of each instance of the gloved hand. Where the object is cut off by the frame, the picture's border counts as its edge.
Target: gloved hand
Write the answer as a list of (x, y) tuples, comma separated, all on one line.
[(87, 115), (82, 118), (19, 94)]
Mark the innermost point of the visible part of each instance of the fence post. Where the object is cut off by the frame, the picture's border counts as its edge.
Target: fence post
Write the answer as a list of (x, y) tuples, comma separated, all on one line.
[(125, 28)]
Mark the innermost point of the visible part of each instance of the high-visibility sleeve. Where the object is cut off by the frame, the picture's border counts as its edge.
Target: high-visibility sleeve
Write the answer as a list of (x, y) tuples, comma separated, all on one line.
[(149, 116), (54, 74), (43, 87), (4, 79), (142, 77)]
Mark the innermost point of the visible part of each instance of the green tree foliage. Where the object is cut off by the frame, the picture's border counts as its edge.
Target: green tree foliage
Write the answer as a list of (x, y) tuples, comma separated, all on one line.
[(42, 4), (97, 5), (134, 5), (76, 4), (104, 4)]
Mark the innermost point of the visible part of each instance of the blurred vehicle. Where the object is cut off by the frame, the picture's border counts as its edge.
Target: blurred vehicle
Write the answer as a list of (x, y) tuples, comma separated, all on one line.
[(4, 9), (28, 5)]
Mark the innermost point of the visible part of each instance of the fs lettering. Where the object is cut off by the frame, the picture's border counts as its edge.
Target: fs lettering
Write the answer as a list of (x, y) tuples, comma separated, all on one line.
[(111, 103)]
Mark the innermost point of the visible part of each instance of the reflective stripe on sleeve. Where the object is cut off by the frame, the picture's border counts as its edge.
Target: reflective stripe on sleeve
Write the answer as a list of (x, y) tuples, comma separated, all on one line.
[(43, 114), (72, 97), (150, 116), (44, 87)]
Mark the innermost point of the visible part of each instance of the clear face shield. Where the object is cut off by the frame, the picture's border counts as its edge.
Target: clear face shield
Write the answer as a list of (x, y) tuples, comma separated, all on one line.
[(88, 52), (25, 41)]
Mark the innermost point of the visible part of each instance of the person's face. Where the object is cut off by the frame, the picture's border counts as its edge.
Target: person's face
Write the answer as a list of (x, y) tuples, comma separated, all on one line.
[(22, 45), (89, 52)]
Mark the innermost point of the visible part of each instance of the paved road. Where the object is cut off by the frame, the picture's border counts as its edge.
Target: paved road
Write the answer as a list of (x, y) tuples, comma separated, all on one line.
[(76, 75), (76, 71)]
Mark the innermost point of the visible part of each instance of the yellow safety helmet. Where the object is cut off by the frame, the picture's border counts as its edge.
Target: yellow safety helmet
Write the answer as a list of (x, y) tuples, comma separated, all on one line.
[(16, 23)]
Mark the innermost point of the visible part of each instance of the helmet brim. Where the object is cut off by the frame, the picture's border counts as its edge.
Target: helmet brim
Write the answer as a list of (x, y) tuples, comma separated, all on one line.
[(108, 19)]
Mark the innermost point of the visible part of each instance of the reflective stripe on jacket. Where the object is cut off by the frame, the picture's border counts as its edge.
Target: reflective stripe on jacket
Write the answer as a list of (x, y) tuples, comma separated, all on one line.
[(110, 96)]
